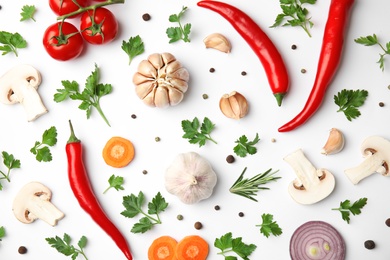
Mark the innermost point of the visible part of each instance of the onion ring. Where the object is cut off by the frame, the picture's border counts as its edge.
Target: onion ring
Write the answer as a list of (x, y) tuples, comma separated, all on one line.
[(317, 240)]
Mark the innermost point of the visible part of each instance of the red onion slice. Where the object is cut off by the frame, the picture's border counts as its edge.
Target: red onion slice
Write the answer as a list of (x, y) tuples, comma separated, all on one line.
[(317, 240)]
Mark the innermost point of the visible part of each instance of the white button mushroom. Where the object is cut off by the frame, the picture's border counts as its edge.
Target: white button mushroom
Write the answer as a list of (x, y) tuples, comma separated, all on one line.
[(376, 151), (33, 202), (311, 185), (19, 85)]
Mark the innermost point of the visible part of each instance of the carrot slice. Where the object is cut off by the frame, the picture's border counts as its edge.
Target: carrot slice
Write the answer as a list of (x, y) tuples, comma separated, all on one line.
[(192, 248), (118, 152), (163, 248)]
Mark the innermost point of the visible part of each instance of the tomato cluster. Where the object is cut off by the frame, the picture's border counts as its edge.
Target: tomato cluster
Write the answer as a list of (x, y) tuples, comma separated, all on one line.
[(64, 41)]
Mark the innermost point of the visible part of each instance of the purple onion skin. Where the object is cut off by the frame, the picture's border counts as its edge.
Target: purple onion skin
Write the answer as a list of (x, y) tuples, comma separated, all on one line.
[(327, 241)]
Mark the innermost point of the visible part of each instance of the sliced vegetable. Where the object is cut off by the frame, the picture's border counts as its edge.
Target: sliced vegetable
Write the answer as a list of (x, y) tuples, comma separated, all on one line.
[(317, 240), (163, 248), (192, 248), (118, 152)]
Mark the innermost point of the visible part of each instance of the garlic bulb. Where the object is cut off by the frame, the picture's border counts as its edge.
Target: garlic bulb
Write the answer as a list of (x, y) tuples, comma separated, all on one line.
[(161, 80), (190, 177)]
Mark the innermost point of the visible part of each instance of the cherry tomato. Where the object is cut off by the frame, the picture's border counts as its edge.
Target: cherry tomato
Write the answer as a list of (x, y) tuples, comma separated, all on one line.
[(99, 26), (63, 41), (62, 7)]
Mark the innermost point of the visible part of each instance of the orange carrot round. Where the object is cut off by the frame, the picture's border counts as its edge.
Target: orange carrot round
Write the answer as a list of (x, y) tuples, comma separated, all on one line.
[(192, 248), (162, 248), (118, 152)]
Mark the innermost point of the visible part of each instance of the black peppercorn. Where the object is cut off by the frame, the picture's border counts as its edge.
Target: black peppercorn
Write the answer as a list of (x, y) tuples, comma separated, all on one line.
[(133, 116), (294, 47), (230, 159), (212, 70), (303, 70), (198, 225), (241, 214), (381, 104), (22, 250), (144, 172), (369, 244), (146, 17), (243, 73), (387, 222), (217, 207), (205, 96)]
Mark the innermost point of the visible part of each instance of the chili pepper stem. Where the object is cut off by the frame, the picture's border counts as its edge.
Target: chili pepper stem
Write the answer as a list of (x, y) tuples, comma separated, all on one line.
[(279, 97), (72, 138)]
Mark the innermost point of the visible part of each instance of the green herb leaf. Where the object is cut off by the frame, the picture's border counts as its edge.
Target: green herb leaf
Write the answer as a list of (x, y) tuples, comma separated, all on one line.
[(269, 226), (89, 97), (248, 188), (372, 40), (355, 208), (41, 148), (11, 163), (2, 232), (349, 101), (115, 182), (294, 14), (133, 206), (27, 13), (64, 247), (196, 135), (244, 146), (227, 244), (133, 47), (11, 42), (181, 32)]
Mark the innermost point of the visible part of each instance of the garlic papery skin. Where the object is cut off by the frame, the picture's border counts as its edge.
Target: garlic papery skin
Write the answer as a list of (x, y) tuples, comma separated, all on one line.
[(190, 177), (234, 105), (335, 142), (218, 42)]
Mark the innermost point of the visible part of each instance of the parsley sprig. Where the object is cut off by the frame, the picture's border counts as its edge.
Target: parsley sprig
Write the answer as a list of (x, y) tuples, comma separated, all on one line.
[(2, 232), (133, 206), (27, 13), (11, 163), (346, 208), (372, 40), (11, 42), (41, 149), (228, 245), (349, 101), (191, 131), (294, 14), (248, 188), (89, 97), (65, 247), (133, 47), (244, 146), (269, 226), (115, 182), (182, 32)]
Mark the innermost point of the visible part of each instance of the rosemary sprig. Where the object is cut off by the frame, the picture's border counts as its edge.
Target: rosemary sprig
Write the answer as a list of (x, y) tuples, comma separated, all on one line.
[(249, 187)]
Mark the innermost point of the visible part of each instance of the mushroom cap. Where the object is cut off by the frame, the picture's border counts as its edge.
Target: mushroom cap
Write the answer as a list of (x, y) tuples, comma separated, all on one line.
[(20, 204), (377, 144), (11, 80), (316, 193)]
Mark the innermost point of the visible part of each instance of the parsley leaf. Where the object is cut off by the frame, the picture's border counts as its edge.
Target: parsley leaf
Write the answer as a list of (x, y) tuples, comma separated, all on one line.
[(349, 101), (191, 131), (115, 182), (41, 149), (181, 32), (133, 47), (2, 232), (64, 247), (294, 14), (244, 146), (133, 206), (269, 226), (355, 208), (227, 244), (372, 40), (11, 42), (89, 97), (11, 163), (27, 13)]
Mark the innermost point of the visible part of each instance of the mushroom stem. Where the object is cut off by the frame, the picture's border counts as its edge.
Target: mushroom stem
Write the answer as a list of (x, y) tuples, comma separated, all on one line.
[(44, 210), (31, 101), (373, 163)]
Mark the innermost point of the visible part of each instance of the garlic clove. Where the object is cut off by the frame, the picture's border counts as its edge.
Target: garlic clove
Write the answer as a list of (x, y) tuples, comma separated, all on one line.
[(218, 41), (234, 105), (335, 142)]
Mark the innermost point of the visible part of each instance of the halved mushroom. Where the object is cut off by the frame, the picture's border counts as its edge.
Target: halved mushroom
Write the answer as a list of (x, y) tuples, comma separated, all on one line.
[(376, 151), (19, 85), (32, 202), (311, 184)]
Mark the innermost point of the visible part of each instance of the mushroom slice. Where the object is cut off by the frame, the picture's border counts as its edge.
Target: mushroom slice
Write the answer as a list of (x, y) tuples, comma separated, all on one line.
[(376, 151), (311, 185), (33, 202), (19, 85)]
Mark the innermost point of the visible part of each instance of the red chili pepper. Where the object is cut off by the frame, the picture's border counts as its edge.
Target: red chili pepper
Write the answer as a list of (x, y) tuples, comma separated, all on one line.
[(330, 56), (260, 43), (82, 189)]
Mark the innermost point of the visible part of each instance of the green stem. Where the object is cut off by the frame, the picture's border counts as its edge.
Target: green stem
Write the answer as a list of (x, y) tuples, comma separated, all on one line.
[(99, 109), (91, 7), (211, 139), (104, 192), (157, 221)]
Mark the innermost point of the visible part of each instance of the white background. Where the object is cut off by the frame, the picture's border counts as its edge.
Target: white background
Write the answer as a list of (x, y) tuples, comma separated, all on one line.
[(358, 70)]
